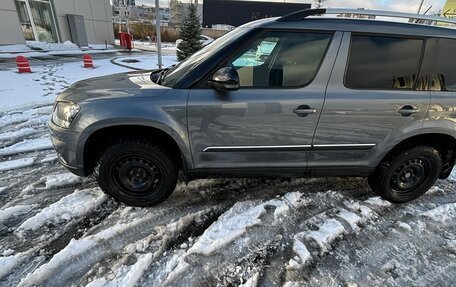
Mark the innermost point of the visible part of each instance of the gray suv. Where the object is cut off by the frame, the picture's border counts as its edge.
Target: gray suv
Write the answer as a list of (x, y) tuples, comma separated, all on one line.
[(327, 97)]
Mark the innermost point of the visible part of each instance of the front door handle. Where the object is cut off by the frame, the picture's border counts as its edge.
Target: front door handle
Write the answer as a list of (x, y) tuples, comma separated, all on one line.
[(408, 110), (304, 111)]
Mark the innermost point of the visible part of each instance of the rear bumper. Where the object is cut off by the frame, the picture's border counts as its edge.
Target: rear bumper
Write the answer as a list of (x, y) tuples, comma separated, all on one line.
[(65, 143)]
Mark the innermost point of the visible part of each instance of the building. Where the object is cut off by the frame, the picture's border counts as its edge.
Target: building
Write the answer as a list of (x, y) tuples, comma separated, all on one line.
[(123, 3), (49, 21), (358, 16), (143, 13), (132, 13), (178, 9), (215, 11)]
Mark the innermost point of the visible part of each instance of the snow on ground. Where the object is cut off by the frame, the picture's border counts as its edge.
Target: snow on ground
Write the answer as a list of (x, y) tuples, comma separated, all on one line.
[(14, 211), (42, 49), (27, 146), (45, 46), (16, 134), (17, 48), (442, 213), (17, 163), (41, 87), (77, 204), (61, 179)]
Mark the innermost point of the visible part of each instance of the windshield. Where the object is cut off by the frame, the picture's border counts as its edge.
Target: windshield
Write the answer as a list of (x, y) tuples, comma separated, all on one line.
[(180, 70)]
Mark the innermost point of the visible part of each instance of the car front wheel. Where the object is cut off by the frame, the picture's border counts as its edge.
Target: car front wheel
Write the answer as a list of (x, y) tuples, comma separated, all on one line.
[(407, 175), (136, 173)]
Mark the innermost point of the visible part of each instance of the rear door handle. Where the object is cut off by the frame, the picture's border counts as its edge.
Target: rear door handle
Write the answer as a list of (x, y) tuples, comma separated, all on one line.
[(304, 111), (408, 111)]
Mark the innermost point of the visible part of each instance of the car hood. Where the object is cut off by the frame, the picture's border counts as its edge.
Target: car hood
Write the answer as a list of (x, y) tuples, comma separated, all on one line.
[(113, 86)]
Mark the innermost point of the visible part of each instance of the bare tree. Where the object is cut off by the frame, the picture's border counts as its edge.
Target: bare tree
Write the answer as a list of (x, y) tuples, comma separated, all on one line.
[(319, 3)]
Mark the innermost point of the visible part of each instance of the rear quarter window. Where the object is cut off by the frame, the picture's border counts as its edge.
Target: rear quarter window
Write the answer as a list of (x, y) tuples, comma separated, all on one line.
[(377, 62), (439, 66)]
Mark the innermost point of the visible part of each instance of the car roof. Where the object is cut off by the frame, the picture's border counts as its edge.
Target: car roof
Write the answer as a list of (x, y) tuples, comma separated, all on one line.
[(357, 26)]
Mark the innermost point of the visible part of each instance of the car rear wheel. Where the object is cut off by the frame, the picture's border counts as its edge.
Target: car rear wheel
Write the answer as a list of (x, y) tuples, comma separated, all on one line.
[(407, 175), (136, 173)]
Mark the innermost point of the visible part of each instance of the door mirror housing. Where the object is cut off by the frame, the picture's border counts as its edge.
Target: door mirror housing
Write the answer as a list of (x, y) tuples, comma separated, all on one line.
[(225, 79)]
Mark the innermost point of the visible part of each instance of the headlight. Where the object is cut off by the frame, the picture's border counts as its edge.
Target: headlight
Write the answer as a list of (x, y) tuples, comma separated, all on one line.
[(64, 114)]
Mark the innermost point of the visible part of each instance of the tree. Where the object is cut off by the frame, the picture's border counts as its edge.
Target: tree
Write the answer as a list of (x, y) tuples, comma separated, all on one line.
[(189, 31), (319, 3)]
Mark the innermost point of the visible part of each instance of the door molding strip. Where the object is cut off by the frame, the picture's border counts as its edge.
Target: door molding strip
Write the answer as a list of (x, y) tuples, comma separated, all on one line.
[(290, 147), (343, 146), (257, 148)]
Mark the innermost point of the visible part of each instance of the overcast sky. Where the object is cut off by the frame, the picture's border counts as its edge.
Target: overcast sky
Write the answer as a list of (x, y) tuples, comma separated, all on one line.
[(390, 5)]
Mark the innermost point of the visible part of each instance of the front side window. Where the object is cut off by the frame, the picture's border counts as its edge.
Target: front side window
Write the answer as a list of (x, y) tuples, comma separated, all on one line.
[(281, 59), (383, 62), (438, 71)]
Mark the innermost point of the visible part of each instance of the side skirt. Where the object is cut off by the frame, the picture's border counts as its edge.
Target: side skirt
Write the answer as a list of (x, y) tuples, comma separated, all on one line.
[(280, 172)]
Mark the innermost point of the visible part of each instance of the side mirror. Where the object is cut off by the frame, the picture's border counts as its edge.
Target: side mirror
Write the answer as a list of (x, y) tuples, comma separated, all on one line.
[(225, 79)]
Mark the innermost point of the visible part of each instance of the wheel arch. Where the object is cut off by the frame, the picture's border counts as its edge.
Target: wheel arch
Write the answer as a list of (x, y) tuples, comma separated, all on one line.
[(100, 138), (444, 143)]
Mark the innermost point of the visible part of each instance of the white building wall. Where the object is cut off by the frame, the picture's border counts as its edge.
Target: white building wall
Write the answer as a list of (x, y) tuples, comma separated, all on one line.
[(97, 15), (10, 28)]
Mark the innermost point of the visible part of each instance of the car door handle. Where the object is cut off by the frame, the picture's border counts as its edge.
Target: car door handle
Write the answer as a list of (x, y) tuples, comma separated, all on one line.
[(408, 110), (304, 111)]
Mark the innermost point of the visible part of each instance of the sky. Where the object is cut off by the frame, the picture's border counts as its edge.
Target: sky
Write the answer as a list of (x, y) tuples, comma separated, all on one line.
[(410, 6)]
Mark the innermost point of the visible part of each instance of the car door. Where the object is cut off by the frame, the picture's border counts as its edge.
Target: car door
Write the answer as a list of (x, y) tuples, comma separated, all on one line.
[(270, 121), (372, 102)]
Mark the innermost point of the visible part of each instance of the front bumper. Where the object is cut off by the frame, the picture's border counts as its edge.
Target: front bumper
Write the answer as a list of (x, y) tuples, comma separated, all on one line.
[(65, 142)]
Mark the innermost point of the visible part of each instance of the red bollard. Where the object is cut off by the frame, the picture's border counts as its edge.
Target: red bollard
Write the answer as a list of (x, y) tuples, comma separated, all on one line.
[(88, 63), (23, 64)]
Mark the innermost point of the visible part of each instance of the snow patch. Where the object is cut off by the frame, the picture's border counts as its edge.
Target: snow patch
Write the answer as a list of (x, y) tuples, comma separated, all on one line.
[(252, 282), (45, 46), (442, 213), (326, 234), (404, 226), (303, 255), (49, 158), (16, 164), (16, 134), (232, 224), (352, 218), (62, 179), (75, 205), (27, 146), (14, 211), (126, 275), (452, 176), (7, 264), (378, 201)]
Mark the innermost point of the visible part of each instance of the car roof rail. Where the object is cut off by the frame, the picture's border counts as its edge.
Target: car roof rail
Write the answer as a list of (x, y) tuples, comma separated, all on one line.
[(302, 14)]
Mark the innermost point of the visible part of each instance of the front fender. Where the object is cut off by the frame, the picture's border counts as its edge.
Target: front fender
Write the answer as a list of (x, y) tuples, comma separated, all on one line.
[(168, 116)]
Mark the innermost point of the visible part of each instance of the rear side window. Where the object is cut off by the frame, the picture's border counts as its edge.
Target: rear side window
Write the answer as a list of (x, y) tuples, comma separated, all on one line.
[(383, 63), (439, 66)]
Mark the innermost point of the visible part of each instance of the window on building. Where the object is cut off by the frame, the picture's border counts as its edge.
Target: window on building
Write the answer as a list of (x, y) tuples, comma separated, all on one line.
[(383, 62), (24, 18), (281, 59), (438, 70), (37, 20)]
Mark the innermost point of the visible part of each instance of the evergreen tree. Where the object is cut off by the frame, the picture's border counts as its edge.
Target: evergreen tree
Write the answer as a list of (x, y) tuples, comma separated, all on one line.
[(190, 32), (319, 4)]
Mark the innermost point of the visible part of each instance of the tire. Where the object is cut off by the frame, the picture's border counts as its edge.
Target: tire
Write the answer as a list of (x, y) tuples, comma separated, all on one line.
[(136, 173), (407, 175)]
